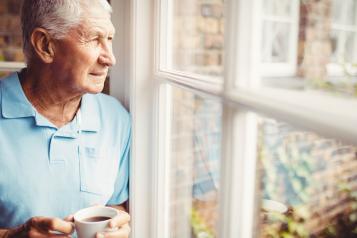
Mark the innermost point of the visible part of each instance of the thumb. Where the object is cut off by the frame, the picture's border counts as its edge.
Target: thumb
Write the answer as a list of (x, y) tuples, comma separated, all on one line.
[(69, 218)]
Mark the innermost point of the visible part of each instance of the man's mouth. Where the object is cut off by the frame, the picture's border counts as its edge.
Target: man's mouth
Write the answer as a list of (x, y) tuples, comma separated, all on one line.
[(99, 74)]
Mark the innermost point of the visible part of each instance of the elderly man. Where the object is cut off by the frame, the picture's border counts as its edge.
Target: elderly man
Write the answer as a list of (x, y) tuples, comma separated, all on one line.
[(63, 145)]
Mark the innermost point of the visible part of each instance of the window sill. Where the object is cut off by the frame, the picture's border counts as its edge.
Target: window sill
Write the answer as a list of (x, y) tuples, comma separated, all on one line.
[(328, 114), (11, 66)]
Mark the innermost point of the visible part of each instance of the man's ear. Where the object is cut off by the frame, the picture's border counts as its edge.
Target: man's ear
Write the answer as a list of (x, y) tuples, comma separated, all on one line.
[(42, 44)]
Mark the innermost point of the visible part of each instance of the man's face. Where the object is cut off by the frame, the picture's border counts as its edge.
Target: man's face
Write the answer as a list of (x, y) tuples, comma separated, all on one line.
[(82, 58)]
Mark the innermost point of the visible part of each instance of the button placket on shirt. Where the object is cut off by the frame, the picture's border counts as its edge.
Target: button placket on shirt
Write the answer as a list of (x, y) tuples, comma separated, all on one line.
[(62, 146)]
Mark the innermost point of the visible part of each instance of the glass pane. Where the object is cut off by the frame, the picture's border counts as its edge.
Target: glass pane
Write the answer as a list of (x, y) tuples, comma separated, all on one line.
[(277, 7), (344, 12), (197, 37), (275, 46), (343, 45), (10, 31), (195, 158), (308, 183), (351, 47), (317, 51)]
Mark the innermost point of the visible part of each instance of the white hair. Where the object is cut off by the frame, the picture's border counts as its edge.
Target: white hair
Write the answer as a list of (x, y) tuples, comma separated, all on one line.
[(56, 16)]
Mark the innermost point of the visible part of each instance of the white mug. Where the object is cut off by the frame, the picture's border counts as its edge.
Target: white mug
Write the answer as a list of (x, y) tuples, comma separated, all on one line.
[(91, 220)]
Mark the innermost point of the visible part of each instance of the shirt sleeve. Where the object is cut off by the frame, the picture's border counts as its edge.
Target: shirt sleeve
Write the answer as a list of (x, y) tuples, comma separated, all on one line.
[(121, 189)]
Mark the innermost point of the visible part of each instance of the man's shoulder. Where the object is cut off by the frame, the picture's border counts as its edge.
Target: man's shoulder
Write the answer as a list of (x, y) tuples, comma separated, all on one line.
[(8, 77), (2, 81), (7, 81), (1, 85), (104, 98), (109, 105)]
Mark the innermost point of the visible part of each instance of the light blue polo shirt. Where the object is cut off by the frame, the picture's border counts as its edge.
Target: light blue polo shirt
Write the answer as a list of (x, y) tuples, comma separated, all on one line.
[(46, 171)]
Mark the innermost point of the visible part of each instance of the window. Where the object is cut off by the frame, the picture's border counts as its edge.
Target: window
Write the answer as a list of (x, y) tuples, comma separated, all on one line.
[(11, 56), (307, 183), (308, 44), (194, 37), (229, 150), (279, 36), (194, 164), (343, 37)]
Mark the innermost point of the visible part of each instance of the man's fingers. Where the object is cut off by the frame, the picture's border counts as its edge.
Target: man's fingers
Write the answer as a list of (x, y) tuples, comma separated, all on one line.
[(52, 224), (43, 234), (121, 219), (122, 232), (69, 218)]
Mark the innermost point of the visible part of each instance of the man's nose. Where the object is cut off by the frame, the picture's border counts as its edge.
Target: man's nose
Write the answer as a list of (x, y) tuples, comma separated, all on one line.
[(107, 57)]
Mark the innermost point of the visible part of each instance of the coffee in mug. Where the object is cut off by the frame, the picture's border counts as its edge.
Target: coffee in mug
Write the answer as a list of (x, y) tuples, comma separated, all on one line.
[(90, 221), (96, 219)]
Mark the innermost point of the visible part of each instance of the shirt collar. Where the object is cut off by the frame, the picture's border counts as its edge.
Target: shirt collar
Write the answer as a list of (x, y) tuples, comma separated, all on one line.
[(14, 102), (90, 115)]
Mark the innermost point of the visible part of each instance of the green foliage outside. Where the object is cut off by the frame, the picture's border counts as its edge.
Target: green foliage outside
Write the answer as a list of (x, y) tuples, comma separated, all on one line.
[(199, 228), (345, 224), (345, 86), (288, 166), (287, 170)]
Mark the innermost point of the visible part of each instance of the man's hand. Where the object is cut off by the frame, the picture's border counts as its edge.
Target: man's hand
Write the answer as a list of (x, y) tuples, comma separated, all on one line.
[(42, 227), (118, 227)]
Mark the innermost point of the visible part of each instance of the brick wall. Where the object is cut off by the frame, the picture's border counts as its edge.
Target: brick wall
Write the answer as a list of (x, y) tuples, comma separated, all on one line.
[(314, 39), (181, 164), (194, 163), (198, 36), (309, 172)]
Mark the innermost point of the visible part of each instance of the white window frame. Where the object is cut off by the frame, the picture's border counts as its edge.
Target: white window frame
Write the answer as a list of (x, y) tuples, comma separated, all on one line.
[(280, 69), (132, 83), (164, 66), (139, 54), (11, 66)]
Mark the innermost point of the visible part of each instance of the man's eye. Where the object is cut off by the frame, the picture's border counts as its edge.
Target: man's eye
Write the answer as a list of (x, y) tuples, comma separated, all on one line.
[(94, 41), (110, 38)]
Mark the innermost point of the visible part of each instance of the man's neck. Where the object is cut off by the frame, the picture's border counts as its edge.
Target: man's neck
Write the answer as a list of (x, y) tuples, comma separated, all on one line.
[(49, 98)]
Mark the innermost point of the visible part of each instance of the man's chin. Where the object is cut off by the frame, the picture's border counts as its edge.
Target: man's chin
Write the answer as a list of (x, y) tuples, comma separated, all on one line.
[(95, 88), (96, 85)]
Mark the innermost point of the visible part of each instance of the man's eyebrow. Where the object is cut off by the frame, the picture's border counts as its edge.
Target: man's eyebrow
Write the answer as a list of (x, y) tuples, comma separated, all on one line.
[(100, 32)]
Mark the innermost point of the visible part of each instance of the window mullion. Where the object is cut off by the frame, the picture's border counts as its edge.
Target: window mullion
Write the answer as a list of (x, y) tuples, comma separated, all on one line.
[(238, 145), (141, 107), (229, 210), (230, 42), (161, 167), (244, 170)]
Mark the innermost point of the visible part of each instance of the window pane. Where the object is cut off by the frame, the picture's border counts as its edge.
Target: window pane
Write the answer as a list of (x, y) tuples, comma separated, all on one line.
[(344, 12), (10, 31), (343, 46), (308, 183), (275, 47), (351, 47), (195, 158), (197, 37), (317, 50), (277, 7)]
